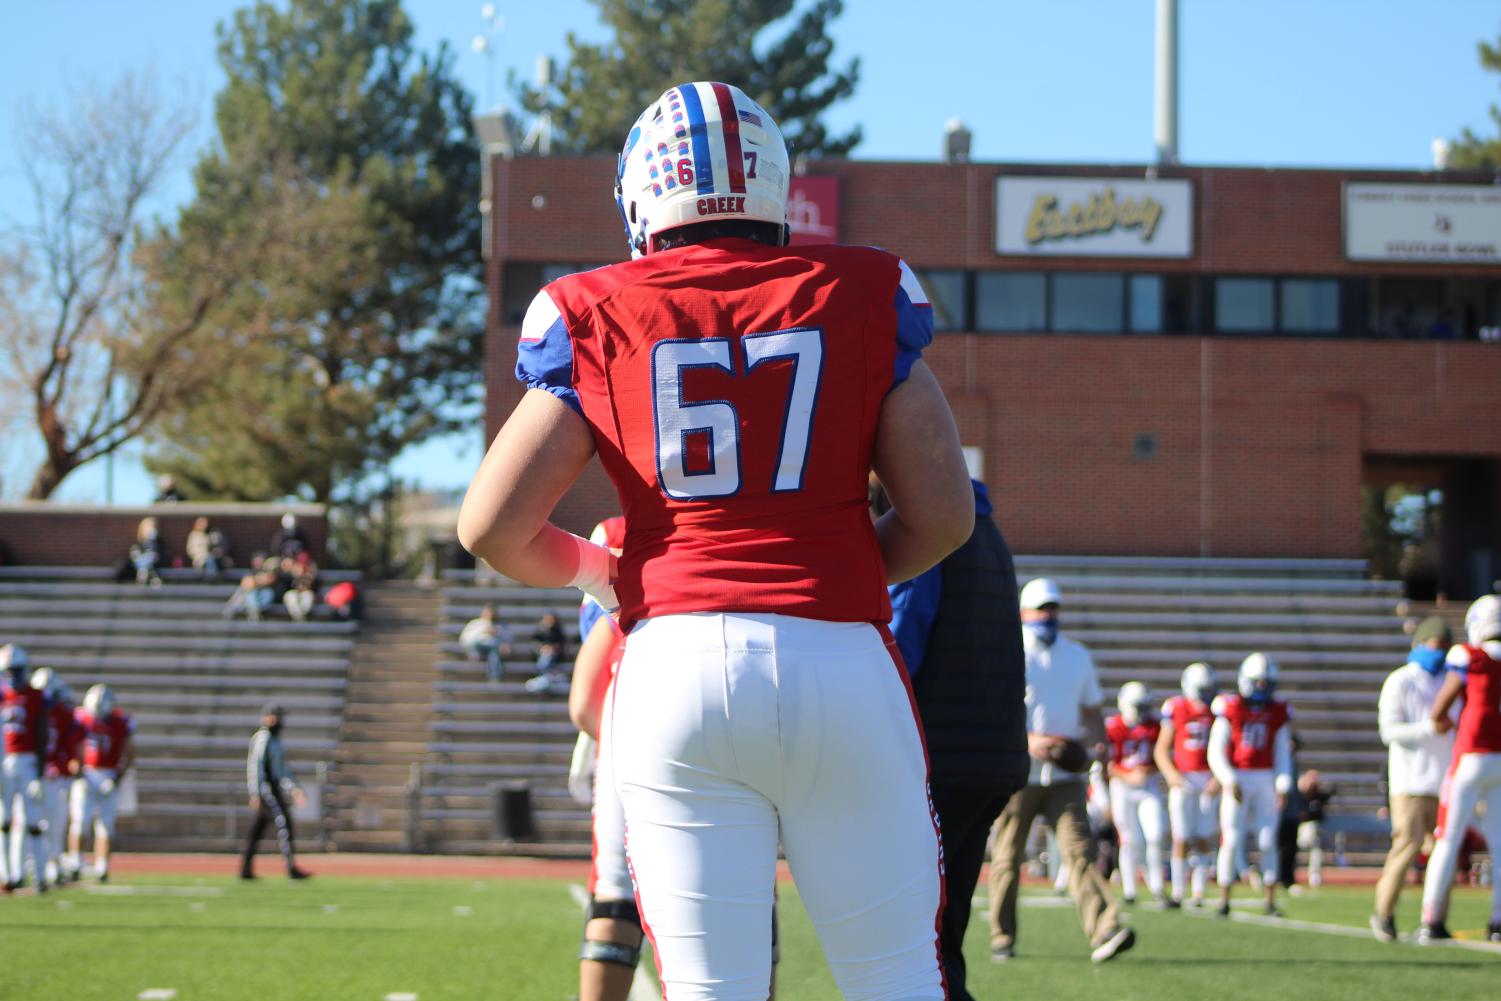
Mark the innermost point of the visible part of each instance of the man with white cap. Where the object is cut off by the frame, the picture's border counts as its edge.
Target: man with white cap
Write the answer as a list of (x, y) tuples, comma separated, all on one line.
[(1063, 718)]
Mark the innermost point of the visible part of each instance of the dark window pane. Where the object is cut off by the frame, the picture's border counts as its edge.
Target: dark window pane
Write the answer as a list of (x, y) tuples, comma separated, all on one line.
[(1088, 303), (949, 295), (1310, 305), (523, 280), (1243, 304), (1146, 304), (1010, 300)]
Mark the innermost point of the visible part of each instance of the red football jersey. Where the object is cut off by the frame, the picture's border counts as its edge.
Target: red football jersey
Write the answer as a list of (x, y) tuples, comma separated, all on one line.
[(23, 713), (1479, 728), (62, 741), (104, 738), (733, 390), (1191, 722), (1131, 746), (1253, 730)]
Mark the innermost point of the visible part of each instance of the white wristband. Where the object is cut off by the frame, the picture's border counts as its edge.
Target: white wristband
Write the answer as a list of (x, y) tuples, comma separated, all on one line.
[(593, 574)]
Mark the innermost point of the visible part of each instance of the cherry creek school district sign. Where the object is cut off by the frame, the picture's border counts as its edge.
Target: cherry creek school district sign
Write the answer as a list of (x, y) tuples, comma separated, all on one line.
[(1457, 223), (1094, 217)]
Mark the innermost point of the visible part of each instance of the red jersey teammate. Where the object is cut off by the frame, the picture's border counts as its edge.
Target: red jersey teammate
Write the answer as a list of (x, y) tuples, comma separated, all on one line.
[(23, 721), (1136, 788), (107, 755), (738, 391), (61, 765), (1193, 794), (1250, 752), (1475, 776)]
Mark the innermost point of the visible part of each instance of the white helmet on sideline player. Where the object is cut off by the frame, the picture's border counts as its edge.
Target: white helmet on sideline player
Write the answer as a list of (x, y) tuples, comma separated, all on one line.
[(1134, 702), (99, 702), (14, 658), (1198, 682), (1258, 678), (703, 151), (1483, 620), (45, 680)]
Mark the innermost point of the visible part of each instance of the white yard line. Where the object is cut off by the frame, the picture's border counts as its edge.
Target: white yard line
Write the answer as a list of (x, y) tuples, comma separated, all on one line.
[(157, 994), (137, 890), (644, 986), (1346, 930)]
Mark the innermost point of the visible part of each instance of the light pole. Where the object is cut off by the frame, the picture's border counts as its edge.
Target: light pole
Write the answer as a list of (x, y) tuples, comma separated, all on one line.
[(486, 44)]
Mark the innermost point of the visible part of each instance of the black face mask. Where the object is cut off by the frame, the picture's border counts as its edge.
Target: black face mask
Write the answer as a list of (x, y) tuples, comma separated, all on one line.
[(274, 728)]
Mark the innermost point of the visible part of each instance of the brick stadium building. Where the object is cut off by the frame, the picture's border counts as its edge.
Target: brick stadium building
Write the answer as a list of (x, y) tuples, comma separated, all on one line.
[(1208, 362)]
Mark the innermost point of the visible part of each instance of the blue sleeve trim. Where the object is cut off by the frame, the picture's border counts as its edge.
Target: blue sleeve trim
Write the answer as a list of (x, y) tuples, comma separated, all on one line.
[(590, 613), (914, 324), (544, 354), (914, 606)]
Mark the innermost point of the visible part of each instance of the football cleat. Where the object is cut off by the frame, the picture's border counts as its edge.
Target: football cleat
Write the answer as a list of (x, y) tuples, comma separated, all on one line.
[(1122, 939), (1430, 933), (1385, 929)]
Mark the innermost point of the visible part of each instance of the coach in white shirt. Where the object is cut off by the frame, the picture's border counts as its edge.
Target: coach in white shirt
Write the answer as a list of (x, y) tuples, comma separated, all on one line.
[(1416, 764), (1063, 712)]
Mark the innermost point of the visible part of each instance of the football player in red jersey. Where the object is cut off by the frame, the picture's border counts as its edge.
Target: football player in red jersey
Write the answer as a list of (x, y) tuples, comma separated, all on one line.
[(23, 720), (61, 765), (1250, 753), (1193, 793), (108, 753), (737, 392), (1136, 788), (1475, 776)]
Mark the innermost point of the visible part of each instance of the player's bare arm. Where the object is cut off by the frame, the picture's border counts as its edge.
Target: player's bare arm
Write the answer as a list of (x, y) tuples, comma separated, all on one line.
[(1454, 684), (1162, 753), (919, 462), (593, 657), (533, 461)]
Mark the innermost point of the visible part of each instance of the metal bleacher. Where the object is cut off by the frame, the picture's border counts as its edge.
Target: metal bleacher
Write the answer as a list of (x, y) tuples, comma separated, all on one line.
[(484, 733), (194, 683)]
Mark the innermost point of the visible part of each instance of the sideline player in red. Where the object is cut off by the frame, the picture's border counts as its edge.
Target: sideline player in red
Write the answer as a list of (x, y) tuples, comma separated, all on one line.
[(1136, 789), (737, 392), (108, 753), (1193, 793), (23, 718), (1250, 753), (1475, 775), (61, 765)]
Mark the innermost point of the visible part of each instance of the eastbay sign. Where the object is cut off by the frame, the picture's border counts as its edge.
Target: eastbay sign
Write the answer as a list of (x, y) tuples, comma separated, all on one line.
[(1094, 217)]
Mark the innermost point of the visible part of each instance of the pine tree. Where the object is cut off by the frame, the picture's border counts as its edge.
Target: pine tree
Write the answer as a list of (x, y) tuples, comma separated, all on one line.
[(1470, 151)]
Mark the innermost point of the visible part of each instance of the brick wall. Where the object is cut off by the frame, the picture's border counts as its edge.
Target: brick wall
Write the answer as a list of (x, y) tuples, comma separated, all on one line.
[(1260, 442), (45, 534)]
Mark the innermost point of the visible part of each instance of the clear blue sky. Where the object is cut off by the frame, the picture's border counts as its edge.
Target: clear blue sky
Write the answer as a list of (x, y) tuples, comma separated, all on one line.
[(1275, 82)]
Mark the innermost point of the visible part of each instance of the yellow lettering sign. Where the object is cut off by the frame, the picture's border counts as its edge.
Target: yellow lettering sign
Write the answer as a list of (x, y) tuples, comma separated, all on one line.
[(1102, 213)]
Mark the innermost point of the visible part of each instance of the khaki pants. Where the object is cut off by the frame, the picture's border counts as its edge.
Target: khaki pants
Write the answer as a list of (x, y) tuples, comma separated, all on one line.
[(1413, 821), (1062, 807)]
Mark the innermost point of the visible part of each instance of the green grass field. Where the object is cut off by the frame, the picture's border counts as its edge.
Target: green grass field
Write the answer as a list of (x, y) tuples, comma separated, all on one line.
[(344, 938)]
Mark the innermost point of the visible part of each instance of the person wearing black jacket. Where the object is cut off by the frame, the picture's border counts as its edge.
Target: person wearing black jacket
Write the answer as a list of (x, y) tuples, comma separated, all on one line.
[(959, 632), (271, 785)]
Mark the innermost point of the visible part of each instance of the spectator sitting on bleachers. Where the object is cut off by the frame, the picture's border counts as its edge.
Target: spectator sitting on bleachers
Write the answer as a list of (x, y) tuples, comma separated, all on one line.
[(289, 540), (302, 585), (551, 678), (146, 553), (258, 590), (485, 637), (166, 491), (208, 549)]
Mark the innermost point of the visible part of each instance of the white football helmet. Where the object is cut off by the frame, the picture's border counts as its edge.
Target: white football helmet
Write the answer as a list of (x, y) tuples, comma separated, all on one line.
[(14, 658), (1257, 679), (1483, 620), (700, 152), (1198, 682), (99, 701), (44, 680), (1134, 702)]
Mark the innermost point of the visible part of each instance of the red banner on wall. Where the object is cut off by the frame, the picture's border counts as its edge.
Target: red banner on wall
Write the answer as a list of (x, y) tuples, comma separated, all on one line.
[(813, 209)]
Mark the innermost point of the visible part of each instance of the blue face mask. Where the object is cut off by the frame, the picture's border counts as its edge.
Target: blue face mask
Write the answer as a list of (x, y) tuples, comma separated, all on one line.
[(1046, 630), (1427, 658)]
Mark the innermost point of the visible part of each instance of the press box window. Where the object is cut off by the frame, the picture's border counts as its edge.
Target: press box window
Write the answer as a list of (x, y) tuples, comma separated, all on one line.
[(1146, 304), (1244, 305), (1088, 303), (949, 293), (1011, 300), (1309, 306)]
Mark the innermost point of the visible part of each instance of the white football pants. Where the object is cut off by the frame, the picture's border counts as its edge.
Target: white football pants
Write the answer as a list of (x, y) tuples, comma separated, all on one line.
[(1140, 824), (730, 729), (1250, 818), (1476, 779), (609, 875)]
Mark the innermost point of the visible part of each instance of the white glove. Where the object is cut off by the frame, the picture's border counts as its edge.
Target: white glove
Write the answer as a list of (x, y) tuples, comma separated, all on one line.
[(581, 770), (34, 790), (107, 787)]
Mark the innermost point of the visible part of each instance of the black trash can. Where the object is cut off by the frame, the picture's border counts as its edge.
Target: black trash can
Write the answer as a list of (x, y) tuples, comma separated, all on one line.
[(511, 811)]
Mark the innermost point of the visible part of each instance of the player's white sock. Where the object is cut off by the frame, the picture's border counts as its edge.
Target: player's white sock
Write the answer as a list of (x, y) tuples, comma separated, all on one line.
[(5, 857), (38, 854), (1154, 868), (1128, 868), (1179, 869), (1199, 866)]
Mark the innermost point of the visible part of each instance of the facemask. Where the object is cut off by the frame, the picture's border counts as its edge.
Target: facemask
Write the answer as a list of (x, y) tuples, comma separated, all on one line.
[(1046, 630), (1427, 658)]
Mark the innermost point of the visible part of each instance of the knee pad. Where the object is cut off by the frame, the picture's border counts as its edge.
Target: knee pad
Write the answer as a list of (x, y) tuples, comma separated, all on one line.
[(611, 952)]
